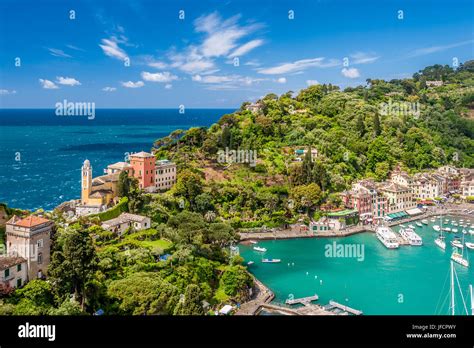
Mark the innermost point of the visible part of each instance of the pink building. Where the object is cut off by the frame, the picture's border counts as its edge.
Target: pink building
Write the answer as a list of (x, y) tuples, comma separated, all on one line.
[(143, 164)]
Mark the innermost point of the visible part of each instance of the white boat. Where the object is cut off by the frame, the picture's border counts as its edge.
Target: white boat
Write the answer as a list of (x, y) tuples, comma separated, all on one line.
[(436, 228), (469, 245), (447, 229), (402, 226), (253, 242), (411, 226), (457, 257), (471, 232), (440, 242), (259, 249), (424, 221), (457, 244), (271, 260), (410, 236), (250, 263), (464, 231), (454, 224), (432, 220), (387, 237), (418, 224), (454, 230)]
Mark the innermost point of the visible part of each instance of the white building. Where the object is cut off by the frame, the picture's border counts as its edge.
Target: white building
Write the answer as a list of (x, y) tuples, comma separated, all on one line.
[(13, 271), (126, 220), (165, 175)]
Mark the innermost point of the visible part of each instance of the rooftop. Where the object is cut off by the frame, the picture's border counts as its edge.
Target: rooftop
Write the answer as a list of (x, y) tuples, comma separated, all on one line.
[(119, 165), (9, 261), (123, 218), (29, 221), (142, 154)]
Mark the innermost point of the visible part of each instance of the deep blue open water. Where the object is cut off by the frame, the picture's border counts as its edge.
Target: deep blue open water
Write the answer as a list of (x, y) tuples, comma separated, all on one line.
[(41, 154)]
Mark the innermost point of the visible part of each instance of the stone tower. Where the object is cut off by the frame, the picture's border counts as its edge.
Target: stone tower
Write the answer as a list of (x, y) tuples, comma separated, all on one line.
[(86, 182)]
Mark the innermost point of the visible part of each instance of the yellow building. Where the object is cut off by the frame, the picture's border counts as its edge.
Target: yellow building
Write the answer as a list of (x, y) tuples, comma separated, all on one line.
[(97, 191)]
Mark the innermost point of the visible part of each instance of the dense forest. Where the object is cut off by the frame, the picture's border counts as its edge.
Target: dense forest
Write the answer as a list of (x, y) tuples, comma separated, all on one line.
[(184, 264)]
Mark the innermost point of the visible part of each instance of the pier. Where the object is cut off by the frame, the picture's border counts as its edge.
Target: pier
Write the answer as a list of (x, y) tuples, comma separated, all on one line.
[(334, 304), (303, 300)]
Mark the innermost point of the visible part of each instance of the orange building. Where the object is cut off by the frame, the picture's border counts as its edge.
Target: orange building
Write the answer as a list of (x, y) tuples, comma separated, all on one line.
[(143, 164)]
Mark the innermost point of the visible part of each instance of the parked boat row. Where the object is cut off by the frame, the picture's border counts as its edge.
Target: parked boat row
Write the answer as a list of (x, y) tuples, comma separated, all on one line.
[(410, 236)]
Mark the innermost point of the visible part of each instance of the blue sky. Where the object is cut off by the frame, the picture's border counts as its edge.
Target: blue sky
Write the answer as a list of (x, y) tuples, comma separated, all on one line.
[(192, 61)]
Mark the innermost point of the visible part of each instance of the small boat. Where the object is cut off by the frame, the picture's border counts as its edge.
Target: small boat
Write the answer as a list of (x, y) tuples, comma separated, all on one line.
[(250, 263), (464, 231), (418, 224), (471, 232), (457, 257), (447, 229), (424, 222), (432, 220), (457, 244), (454, 224), (410, 236), (402, 226), (271, 260), (259, 249), (440, 242), (454, 230), (469, 245), (436, 228), (411, 226), (253, 242)]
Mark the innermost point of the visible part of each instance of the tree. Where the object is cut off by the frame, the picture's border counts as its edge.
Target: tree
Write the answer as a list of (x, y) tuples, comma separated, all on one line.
[(306, 196), (123, 185), (73, 265), (360, 125), (189, 185), (236, 281), (190, 303), (377, 129)]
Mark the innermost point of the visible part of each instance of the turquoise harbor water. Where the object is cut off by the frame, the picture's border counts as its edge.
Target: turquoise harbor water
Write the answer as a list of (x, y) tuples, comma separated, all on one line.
[(409, 280)]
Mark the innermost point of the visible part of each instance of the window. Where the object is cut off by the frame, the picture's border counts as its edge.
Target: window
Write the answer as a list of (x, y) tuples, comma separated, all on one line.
[(39, 243), (7, 273), (18, 267), (18, 282), (40, 258)]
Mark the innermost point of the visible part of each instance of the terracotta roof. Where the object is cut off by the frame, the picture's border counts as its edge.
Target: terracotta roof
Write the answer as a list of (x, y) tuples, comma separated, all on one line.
[(9, 261), (119, 165), (29, 221)]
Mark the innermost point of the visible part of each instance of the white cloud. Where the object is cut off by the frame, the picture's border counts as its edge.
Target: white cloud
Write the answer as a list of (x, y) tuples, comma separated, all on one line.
[(58, 53), (197, 78), (299, 65), (351, 73), (109, 89), (281, 80), (47, 84), (312, 82), (434, 49), (72, 47), (112, 49), (252, 63), (6, 91), (158, 65), (168, 86), (67, 81), (246, 48), (130, 84), (363, 58), (224, 82), (158, 77)]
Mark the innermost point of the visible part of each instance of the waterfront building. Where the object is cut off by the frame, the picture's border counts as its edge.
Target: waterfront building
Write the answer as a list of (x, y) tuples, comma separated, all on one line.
[(143, 164), (369, 202), (399, 198), (467, 188), (125, 221), (165, 175), (323, 225), (13, 271), (30, 238)]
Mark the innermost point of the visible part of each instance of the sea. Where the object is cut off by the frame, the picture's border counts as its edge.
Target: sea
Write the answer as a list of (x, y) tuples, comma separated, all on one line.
[(41, 154), (411, 280)]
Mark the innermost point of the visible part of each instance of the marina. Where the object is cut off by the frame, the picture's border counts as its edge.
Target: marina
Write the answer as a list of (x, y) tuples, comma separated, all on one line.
[(392, 274)]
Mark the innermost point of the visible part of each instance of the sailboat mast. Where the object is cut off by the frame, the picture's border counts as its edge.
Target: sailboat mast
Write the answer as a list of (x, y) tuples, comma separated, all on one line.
[(472, 299), (452, 289)]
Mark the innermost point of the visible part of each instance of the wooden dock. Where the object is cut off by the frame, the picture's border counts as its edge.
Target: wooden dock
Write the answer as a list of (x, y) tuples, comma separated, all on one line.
[(350, 310), (303, 300)]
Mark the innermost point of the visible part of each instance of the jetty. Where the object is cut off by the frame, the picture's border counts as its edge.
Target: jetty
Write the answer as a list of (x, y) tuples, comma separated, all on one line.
[(345, 309), (303, 300)]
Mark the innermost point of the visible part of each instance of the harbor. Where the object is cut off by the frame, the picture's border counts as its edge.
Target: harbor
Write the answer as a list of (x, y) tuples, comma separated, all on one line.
[(407, 280)]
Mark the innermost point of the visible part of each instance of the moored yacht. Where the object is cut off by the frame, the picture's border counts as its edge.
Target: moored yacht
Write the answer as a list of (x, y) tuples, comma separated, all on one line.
[(259, 249), (436, 228), (440, 242), (418, 224), (424, 222), (387, 237), (410, 236), (457, 257)]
